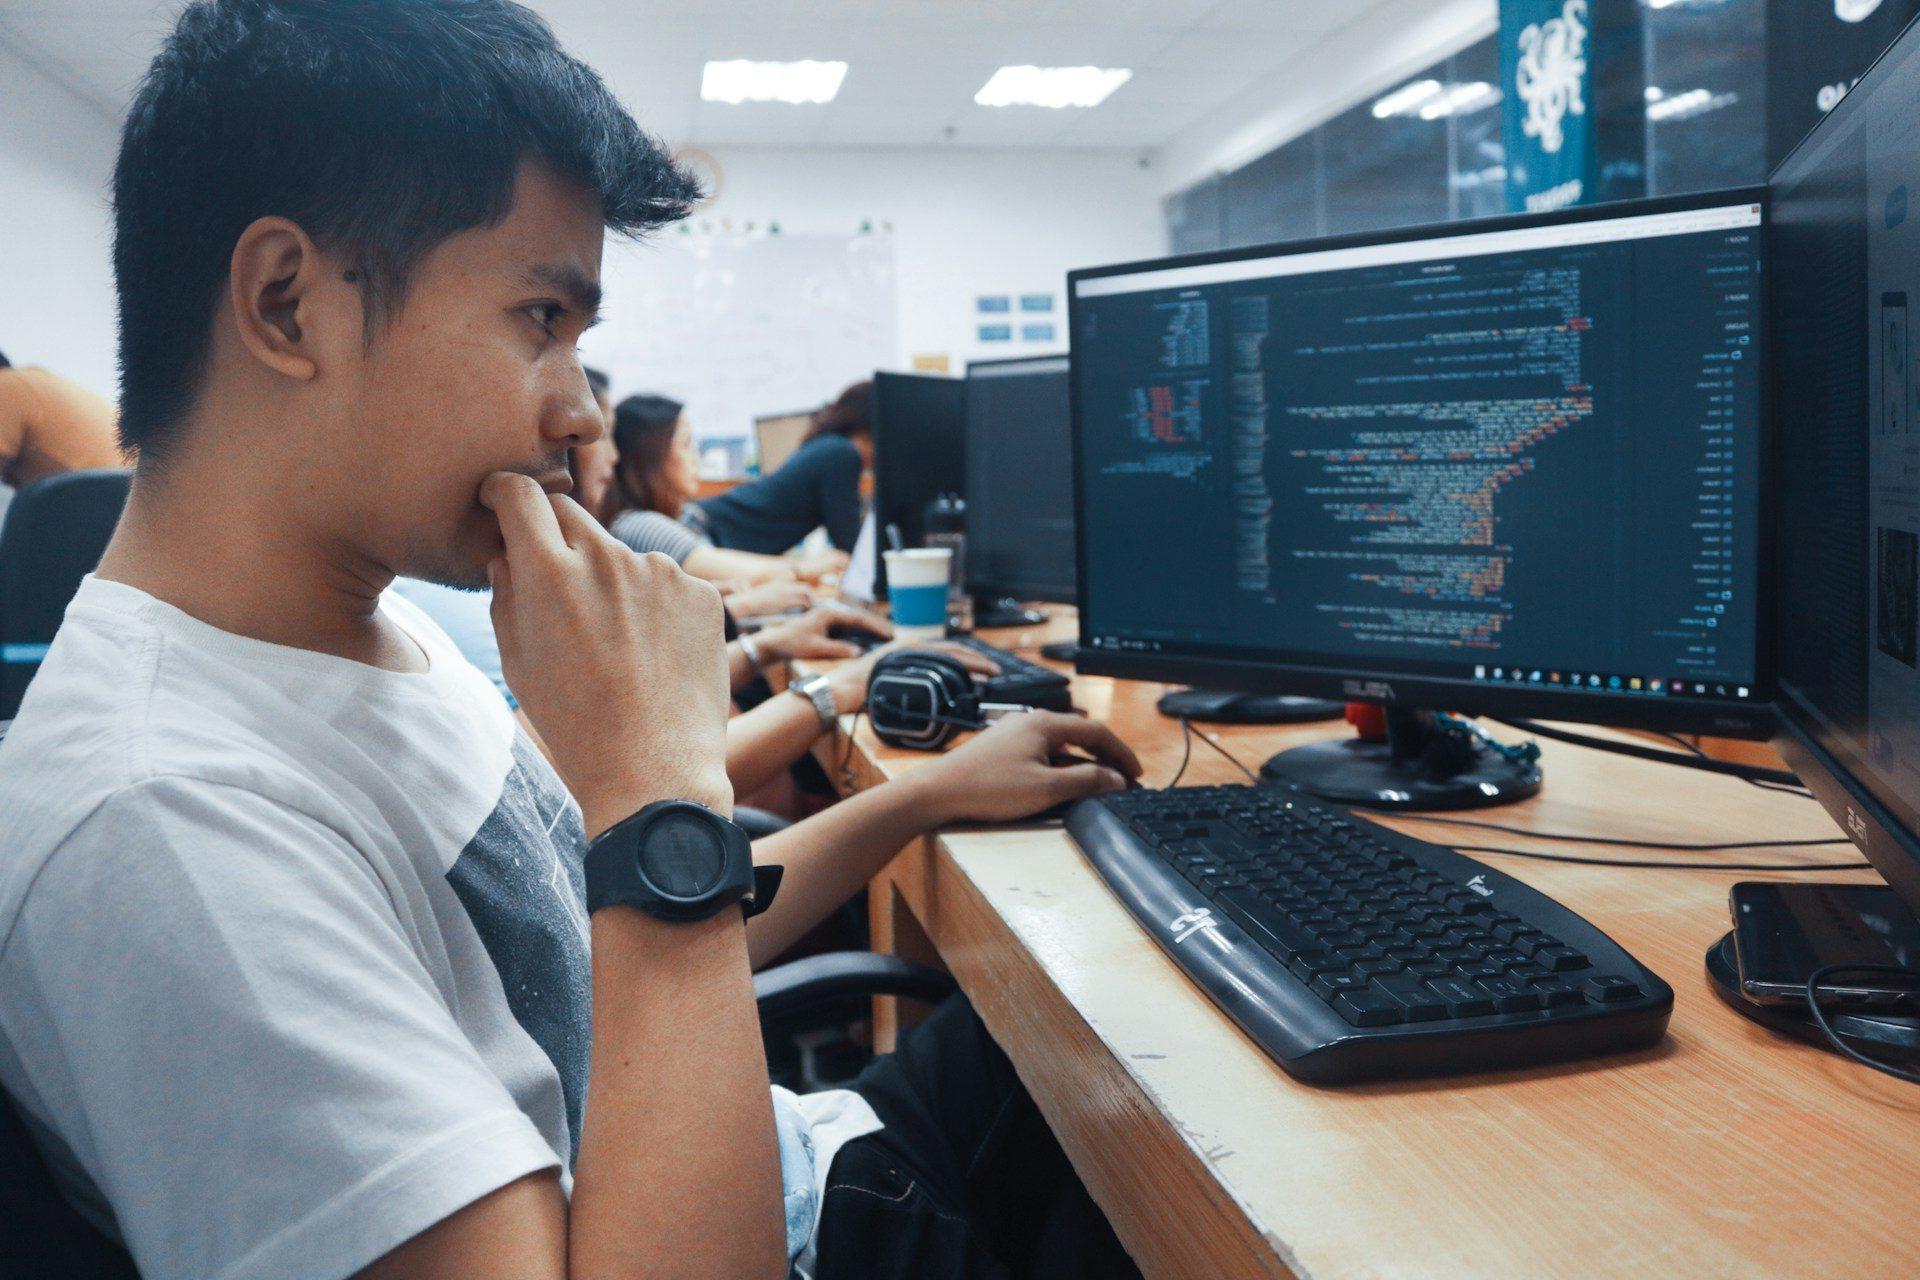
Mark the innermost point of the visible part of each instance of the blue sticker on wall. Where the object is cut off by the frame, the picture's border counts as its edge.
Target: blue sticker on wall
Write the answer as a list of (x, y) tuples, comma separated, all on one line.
[(1036, 333), (996, 333), (1036, 302), (988, 303)]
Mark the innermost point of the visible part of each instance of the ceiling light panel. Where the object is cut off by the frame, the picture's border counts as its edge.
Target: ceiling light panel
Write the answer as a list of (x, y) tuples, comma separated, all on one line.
[(797, 82), (1051, 86)]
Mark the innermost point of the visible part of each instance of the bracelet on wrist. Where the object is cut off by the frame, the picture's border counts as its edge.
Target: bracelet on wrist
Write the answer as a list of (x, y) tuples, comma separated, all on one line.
[(752, 650)]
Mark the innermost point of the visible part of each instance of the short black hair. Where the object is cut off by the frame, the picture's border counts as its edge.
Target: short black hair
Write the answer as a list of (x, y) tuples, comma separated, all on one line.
[(4, 362), (381, 127), (597, 382)]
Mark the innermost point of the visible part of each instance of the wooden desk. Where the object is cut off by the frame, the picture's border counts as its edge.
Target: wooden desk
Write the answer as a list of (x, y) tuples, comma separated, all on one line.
[(1725, 1151)]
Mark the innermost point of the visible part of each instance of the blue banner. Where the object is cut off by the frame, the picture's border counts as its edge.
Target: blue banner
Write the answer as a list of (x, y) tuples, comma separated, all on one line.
[(1547, 115)]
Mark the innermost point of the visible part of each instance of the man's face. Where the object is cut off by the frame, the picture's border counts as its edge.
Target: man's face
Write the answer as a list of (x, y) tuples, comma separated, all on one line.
[(477, 373)]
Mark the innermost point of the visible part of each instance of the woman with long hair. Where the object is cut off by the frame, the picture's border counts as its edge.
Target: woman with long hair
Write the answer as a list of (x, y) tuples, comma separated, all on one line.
[(652, 481)]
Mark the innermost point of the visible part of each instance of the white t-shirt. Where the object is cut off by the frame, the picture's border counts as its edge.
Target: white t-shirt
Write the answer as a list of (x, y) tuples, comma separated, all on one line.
[(293, 950)]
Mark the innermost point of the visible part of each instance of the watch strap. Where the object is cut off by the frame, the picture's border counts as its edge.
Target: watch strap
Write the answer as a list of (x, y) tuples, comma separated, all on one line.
[(819, 691)]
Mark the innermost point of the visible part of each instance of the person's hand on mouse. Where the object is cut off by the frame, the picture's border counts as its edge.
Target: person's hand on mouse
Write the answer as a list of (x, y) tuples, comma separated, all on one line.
[(809, 635), (769, 597), (1010, 770)]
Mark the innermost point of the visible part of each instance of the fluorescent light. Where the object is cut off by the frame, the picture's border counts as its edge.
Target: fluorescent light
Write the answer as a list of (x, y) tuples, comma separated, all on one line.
[(1051, 86), (1461, 100), (1404, 99), (1684, 106), (743, 81)]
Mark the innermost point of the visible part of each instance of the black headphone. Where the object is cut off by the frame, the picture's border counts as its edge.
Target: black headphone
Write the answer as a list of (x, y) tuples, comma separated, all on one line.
[(920, 699)]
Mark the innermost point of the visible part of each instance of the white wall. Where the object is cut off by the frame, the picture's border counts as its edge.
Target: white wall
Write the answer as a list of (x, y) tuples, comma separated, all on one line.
[(56, 271), (964, 223)]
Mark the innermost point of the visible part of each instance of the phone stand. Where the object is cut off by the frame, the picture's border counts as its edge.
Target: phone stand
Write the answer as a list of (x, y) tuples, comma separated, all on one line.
[(1876, 1033)]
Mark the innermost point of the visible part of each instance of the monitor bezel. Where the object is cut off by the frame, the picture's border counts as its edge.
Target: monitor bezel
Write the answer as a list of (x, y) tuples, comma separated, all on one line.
[(1889, 837), (880, 463), (1752, 718), (983, 586)]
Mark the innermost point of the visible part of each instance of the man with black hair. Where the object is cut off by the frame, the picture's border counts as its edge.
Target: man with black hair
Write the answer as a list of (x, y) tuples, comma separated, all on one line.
[(298, 972)]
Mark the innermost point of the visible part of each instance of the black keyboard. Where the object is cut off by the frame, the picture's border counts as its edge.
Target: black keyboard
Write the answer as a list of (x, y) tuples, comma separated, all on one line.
[(1352, 952), (1020, 682)]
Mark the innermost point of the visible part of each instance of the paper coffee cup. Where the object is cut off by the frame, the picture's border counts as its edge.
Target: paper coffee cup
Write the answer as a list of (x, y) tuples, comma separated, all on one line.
[(917, 592)]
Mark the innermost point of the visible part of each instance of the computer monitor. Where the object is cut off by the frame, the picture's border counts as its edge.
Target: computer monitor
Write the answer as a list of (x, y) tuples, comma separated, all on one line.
[(1510, 467), (777, 435), (1019, 462), (1846, 214), (918, 423)]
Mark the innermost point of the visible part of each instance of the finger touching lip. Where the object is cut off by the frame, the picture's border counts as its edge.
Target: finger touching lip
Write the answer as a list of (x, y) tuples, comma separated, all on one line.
[(558, 483)]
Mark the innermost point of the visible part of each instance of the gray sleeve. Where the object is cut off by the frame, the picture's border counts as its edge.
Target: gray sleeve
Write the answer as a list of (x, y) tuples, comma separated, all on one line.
[(646, 531), (210, 1001)]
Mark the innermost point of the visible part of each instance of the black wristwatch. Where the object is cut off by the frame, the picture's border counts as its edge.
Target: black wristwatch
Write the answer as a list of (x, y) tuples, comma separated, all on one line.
[(677, 860)]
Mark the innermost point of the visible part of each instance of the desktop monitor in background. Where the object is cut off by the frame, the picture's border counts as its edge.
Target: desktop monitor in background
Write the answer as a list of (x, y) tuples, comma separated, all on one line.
[(1509, 467), (776, 436), (1019, 466), (918, 422), (1846, 251)]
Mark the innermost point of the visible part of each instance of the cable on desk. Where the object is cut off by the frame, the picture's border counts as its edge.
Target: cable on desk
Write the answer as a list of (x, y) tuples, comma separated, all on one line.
[(1653, 865), (1231, 758), (1681, 847), (845, 768), (1559, 837), (1819, 975), (1703, 762), (1186, 753)]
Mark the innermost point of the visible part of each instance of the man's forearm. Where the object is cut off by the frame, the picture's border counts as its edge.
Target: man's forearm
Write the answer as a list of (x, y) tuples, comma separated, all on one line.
[(831, 855), (765, 740), (679, 1168)]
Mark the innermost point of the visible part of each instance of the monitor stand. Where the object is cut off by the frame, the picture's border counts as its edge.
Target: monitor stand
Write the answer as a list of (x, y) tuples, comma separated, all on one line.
[(1214, 706), (1423, 764), (1004, 611)]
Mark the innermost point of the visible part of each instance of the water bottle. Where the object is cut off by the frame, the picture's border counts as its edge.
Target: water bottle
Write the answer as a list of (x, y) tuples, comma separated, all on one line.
[(946, 526)]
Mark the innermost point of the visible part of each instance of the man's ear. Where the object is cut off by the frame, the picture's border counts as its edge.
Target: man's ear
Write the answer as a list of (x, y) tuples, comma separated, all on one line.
[(273, 282)]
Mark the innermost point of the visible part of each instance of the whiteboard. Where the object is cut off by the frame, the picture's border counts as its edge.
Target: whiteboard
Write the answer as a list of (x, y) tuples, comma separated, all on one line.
[(738, 326)]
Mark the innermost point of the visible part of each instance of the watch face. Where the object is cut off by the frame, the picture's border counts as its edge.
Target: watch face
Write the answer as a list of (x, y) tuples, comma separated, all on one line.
[(683, 855)]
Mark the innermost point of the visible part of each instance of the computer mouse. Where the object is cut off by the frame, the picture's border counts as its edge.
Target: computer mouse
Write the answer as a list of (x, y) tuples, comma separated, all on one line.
[(859, 637)]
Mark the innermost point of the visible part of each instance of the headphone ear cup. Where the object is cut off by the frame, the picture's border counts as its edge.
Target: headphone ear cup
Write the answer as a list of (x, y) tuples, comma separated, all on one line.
[(920, 699)]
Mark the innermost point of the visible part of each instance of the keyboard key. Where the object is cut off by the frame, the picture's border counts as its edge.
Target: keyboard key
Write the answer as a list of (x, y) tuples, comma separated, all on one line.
[(1561, 959), (1407, 990), (1610, 989), (1509, 996), (1329, 985), (1463, 999), (1364, 1008)]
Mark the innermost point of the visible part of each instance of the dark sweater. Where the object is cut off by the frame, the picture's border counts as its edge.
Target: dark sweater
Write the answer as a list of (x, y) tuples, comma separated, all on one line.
[(818, 485)]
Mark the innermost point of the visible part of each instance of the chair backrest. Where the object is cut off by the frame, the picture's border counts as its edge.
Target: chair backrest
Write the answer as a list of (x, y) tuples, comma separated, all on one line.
[(55, 532), (41, 1234)]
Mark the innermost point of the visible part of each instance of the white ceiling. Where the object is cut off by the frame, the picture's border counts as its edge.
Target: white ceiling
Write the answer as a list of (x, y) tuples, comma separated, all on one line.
[(914, 65)]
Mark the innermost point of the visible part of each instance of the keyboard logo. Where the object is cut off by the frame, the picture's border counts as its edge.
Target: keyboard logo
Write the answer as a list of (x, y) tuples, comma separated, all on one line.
[(1199, 920), (1479, 885)]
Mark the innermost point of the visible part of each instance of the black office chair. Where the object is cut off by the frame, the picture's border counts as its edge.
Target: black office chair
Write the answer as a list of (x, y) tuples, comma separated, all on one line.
[(55, 532), (40, 1233), (809, 1007)]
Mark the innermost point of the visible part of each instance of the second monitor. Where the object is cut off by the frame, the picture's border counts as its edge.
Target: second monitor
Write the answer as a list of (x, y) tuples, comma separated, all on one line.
[(1511, 467), (1019, 466)]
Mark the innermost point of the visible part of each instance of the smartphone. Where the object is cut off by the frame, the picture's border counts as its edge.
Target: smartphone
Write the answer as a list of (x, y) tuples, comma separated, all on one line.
[(1783, 932)]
